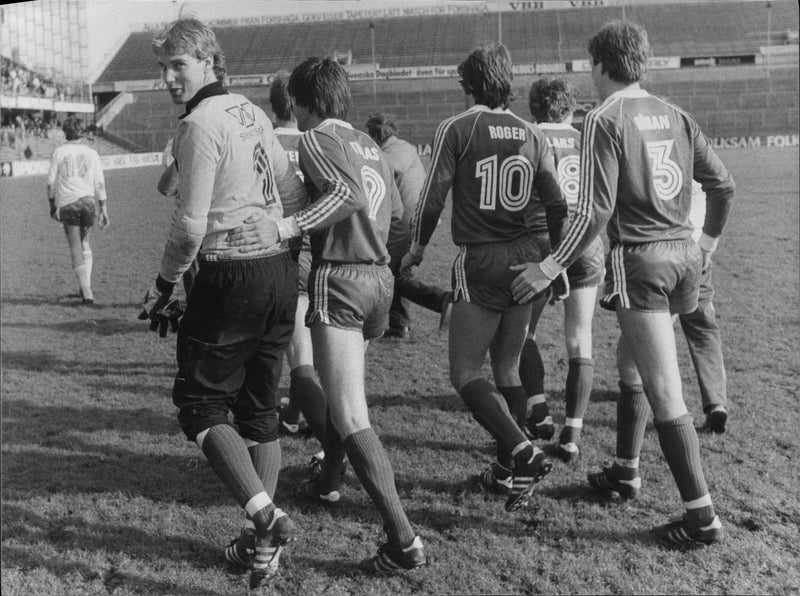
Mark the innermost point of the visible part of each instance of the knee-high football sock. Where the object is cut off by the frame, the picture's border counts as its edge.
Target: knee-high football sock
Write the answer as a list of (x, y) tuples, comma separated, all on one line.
[(579, 388), (531, 371), (681, 448), (517, 403), (333, 466), (83, 282), (311, 398), (633, 410), (266, 458), (374, 470), (489, 408), (228, 456)]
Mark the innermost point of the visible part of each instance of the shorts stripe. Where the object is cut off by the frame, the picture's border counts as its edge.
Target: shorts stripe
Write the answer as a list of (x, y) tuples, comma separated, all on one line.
[(459, 273), (620, 284), (321, 287)]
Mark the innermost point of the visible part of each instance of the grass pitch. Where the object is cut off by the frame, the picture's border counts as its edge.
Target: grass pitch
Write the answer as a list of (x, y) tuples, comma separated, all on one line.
[(101, 494)]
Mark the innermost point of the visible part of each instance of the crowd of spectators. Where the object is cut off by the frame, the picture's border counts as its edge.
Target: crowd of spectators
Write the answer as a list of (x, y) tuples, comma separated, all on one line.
[(18, 80)]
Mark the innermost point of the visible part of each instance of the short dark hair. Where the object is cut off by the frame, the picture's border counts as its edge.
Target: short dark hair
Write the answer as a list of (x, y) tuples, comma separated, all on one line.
[(380, 127), (551, 100), (73, 128), (486, 75), (279, 98), (623, 48), (191, 36), (321, 86)]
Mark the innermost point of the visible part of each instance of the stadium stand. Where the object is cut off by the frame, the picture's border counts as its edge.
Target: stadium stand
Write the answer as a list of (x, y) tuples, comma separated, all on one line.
[(736, 100), (532, 36)]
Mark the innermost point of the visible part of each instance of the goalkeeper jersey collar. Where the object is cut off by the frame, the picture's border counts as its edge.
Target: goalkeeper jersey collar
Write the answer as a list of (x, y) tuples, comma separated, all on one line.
[(210, 90)]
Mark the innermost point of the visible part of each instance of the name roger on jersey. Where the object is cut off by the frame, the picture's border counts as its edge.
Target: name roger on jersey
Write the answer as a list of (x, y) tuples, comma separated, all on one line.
[(507, 132)]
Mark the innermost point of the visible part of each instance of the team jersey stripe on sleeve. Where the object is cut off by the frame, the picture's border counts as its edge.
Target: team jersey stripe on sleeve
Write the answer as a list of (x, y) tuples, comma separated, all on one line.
[(438, 140), (328, 204), (585, 206)]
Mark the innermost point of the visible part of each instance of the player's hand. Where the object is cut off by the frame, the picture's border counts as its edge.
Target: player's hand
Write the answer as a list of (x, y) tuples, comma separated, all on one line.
[(706, 260), (163, 310), (103, 219), (560, 287), (54, 214), (530, 281), (407, 262), (256, 233)]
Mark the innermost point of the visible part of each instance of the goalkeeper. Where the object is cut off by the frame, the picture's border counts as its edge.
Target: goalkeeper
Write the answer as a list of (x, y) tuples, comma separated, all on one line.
[(240, 312)]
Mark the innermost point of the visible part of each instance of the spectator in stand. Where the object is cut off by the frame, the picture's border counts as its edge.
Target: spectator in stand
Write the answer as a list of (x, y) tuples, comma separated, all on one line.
[(74, 182), (409, 174)]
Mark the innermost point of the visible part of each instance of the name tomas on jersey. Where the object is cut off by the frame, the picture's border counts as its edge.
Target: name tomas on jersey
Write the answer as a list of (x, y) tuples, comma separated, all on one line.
[(507, 132), (370, 153), (647, 122)]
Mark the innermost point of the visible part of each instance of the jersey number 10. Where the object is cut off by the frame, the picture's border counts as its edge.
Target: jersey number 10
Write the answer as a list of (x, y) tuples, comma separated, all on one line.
[(511, 182)]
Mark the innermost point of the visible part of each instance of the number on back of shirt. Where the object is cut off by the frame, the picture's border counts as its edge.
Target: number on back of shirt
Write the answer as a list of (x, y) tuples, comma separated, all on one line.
[(667, 176), (264, 172), (510, 182), (74, 165), (375, 188)]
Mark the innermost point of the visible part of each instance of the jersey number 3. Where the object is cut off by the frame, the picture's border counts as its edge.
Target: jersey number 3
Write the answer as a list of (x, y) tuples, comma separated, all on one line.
[(503, 183), (667, 176)]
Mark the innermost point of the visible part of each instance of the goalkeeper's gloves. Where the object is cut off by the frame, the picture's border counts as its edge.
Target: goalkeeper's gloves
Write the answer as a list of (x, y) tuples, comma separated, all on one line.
[(559, 288), (161, 308)]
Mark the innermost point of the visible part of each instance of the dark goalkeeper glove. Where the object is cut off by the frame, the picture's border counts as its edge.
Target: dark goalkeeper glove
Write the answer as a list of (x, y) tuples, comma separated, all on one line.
[(162, 309)]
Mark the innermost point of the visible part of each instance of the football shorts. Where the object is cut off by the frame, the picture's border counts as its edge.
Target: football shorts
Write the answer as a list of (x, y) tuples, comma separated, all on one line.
[(82, 212), (231, 340), (350, 297), (481, 273), (589, 268), (653, 277)]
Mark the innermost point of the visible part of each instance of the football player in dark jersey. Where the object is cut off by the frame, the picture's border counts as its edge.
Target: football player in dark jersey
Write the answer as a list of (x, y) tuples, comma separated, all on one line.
[(639, 155), (507, 209)]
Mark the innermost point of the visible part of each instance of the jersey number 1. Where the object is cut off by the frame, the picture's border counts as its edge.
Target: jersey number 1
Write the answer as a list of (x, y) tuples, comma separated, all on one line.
[(261, 167)]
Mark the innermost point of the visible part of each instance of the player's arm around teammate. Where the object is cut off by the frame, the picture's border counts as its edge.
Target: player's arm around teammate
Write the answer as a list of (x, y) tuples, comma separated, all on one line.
[(507, 207), (350, 286), (638, 157)]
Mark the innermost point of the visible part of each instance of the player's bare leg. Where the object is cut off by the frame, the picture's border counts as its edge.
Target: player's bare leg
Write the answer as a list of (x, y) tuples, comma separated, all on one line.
[(579, 309), (656, 359), (339, 354), (81, 257), (473, 329)]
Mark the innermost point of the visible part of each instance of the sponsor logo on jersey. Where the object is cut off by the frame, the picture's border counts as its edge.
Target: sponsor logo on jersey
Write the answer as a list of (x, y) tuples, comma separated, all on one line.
[(507, 132), (244, 113), (646, 122)]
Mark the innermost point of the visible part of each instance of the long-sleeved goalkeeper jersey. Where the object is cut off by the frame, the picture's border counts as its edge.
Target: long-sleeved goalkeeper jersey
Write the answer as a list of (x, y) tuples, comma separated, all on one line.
[(230, 166)]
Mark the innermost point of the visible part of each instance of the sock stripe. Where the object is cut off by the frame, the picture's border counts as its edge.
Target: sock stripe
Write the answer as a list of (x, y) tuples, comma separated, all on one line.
[(257, 503)]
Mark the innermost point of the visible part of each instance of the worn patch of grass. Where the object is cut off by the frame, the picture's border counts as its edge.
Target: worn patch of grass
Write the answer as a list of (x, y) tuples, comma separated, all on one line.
[(101, 494)]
